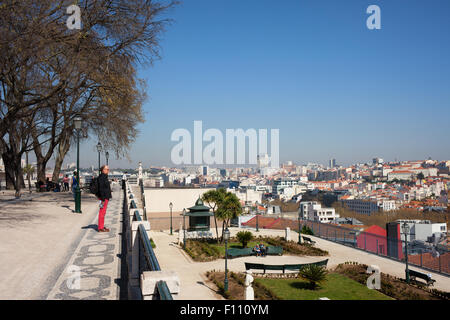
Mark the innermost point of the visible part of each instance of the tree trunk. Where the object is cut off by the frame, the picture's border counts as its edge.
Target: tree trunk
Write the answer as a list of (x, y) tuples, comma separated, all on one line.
[(13, 172), (9, 172), (215, 222), (63, 148), (40, 168)]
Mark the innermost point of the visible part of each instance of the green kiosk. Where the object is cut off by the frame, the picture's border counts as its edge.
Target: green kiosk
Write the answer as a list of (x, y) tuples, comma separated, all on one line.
[(199, 217)]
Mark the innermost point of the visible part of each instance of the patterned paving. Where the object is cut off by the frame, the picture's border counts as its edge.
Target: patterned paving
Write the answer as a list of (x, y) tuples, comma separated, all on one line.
[(93, 272)]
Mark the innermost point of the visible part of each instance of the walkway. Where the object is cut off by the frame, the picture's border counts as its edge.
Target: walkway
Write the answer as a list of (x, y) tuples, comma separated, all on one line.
[(37, 237), (95, 260)]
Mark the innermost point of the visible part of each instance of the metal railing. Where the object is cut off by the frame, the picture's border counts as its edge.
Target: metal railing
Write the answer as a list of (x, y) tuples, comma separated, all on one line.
[(147, 260), (380, 245), (137, 216), (163, 291), (152, 263)]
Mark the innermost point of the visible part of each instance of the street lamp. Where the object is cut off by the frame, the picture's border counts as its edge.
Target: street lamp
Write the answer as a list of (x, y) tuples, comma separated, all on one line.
[(226, 236), (77, 124), (171, 206), (99, 149), (107, 157), (406, 229), (184, 229)]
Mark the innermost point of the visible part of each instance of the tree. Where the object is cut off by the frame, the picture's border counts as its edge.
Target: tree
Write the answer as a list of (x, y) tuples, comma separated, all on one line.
[(314, 274), (28, 170), (49, 74), (420, 176), (228, 209), (213, 198)]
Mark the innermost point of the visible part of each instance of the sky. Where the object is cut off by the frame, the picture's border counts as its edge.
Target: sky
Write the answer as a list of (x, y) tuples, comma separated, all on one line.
[(310, 68)]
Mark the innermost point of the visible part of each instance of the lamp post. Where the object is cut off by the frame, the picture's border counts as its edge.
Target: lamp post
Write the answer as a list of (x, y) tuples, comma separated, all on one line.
[(107, 157), (184, 229), (226, 236), (257, 222), (170, 206), (99, 149), (77, 124), (406, 229)]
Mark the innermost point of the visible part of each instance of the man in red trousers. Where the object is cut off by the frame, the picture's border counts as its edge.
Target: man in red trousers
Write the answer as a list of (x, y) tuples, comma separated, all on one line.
[(104, 195)]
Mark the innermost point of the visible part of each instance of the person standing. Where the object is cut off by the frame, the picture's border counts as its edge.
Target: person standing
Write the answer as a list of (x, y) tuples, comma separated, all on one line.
[(66, 183), (124, 179), (104, 195), (74, 184)]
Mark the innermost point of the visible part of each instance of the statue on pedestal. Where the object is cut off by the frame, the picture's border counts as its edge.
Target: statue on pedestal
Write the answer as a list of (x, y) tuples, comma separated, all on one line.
[(249, 292)]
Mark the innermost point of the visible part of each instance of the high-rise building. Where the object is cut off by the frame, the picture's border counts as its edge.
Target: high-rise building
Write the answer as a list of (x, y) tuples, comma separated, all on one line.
[(332, 163)]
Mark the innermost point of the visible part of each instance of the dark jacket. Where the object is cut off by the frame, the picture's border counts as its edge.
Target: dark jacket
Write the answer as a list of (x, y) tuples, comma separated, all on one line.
[(104, 188)]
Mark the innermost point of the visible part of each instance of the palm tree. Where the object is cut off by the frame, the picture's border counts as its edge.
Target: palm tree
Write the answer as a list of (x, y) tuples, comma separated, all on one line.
[(314, 274), (228, 209), (213, 198)]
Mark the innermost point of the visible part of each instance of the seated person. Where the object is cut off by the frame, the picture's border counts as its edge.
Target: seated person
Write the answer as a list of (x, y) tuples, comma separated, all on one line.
[(257, 250), (263, 249), (57, 187), (41, 185), (48, 183)]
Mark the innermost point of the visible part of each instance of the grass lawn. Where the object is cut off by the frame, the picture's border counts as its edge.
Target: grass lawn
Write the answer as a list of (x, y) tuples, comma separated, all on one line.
[(221, 247), (336, 287)]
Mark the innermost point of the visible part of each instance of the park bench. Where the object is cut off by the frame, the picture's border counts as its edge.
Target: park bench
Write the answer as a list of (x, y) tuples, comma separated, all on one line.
[(270, 250), (308, 240), (282, 267), (416, 274)]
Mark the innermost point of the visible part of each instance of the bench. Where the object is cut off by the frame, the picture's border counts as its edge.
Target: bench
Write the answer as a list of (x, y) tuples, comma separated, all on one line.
[(270, 250), (416, 274), (309, 240), (282, 267)]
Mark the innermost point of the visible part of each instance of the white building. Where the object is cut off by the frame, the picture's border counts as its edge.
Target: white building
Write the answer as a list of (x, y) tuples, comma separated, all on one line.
[(422, 229), (312, 210)]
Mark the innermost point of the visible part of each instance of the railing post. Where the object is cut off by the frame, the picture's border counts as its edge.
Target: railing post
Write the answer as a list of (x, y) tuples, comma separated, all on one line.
[(335, 235), (440, 268), (377, 246), (365, 243), (421, 253)]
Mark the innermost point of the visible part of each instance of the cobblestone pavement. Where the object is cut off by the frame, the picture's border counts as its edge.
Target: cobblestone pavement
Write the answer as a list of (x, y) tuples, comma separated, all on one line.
[(93, 271)]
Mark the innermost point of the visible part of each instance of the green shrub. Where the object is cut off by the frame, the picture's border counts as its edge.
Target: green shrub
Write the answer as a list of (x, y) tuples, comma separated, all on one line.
[(244, 237), (314, 274), (307, 230)]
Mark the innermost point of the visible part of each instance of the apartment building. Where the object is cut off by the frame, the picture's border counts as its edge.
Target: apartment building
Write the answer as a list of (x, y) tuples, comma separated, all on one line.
[(312, 210)]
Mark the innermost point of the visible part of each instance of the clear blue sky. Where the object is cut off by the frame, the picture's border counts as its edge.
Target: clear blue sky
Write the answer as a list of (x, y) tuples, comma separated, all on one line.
[(310, 68)]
